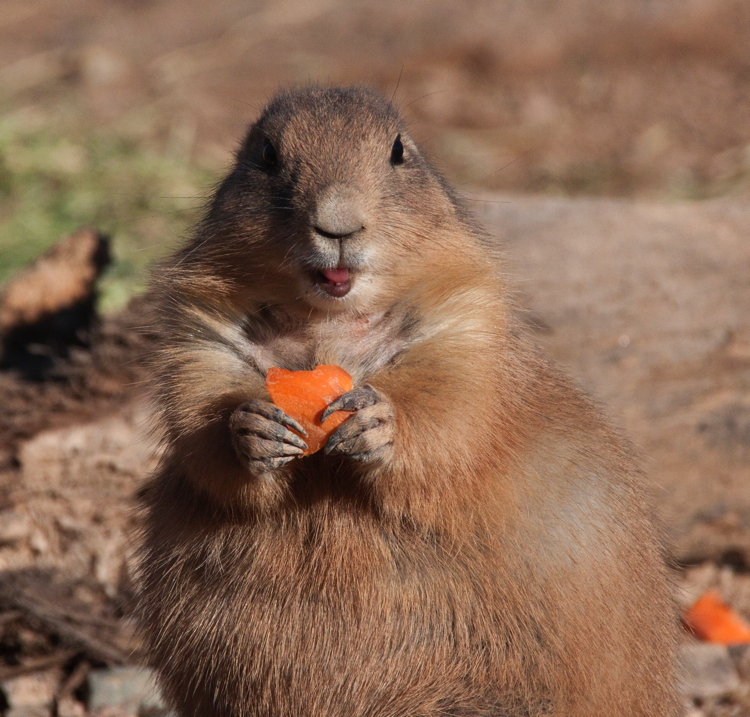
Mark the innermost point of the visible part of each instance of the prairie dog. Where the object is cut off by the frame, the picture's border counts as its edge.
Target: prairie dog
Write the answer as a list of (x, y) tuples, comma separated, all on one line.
[(473, 541)]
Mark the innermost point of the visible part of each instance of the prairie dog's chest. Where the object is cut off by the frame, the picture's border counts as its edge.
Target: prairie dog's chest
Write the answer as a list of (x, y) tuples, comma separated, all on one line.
[(360, 345)]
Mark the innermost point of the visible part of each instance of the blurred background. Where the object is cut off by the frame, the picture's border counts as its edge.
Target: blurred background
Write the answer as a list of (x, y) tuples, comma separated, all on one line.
[(123, 113), (605, 143)]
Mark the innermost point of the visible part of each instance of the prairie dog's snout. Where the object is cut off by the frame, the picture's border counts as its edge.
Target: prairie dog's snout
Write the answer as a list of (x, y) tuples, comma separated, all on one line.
[(339, 212), (338, 218)]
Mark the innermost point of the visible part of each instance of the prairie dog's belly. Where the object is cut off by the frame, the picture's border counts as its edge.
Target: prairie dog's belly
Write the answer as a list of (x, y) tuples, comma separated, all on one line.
[(290, 608)]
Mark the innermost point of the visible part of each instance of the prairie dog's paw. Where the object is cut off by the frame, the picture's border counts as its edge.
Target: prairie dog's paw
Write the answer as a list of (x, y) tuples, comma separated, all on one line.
[(261, 436), (368, 435)]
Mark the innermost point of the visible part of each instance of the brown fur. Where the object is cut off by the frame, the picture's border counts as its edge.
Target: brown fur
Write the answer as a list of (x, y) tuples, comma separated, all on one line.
[(489, 552)]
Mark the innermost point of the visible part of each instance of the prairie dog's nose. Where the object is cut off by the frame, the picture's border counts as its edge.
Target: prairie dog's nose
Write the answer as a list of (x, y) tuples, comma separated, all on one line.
[(339, 212)]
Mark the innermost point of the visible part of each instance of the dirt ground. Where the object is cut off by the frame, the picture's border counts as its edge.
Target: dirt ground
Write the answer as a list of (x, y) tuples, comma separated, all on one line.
[(643, 295), (646, 304)]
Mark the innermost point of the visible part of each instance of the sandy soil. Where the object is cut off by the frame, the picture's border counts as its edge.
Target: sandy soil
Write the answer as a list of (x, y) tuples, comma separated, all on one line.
[(646, 303)]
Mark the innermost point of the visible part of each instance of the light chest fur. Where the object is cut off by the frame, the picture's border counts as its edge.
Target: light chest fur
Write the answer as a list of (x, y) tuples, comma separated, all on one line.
[(361, 345)]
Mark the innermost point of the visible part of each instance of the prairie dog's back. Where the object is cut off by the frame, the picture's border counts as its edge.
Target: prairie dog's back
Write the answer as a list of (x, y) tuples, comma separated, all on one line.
[(472, 540)]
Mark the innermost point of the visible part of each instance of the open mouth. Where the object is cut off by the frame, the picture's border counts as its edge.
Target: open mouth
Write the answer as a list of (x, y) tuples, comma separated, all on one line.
[(335, 282)]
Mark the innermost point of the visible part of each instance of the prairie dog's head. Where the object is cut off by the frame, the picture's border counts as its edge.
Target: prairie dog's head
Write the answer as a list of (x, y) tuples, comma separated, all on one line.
[(330, 204)]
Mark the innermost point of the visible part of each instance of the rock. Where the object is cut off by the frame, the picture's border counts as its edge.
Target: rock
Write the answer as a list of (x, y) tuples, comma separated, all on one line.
[(78, 458), (125, 688), (740, 655), (707, 671), (79, 484), (29, 695), (51, 305), (28, 711), (60, 278), (68, 707)]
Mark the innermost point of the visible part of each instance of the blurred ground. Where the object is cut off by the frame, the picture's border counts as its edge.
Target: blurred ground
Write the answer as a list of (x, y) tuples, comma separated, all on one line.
[(622, 113), (615, 96)]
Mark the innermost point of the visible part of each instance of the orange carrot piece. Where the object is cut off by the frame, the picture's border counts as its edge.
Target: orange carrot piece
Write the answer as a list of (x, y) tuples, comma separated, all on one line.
[(304, 395), (712, 620)]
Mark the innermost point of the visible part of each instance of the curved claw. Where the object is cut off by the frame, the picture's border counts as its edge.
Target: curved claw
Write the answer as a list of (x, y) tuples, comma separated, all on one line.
[(353, 400), (272, 413), (264, 448), (270, 464), (369, 456), (342, 435), (367, 436), (267, 429)]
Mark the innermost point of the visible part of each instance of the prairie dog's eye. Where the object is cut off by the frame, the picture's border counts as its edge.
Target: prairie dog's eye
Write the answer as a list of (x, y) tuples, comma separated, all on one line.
[(397, 151), (268, 154)]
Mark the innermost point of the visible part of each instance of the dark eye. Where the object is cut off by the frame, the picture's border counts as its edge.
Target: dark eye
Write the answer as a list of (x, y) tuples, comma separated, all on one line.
[(268, 154), (397, 151)]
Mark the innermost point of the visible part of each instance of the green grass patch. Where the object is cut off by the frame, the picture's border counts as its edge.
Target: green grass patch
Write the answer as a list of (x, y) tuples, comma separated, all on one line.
[(52, 183)]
